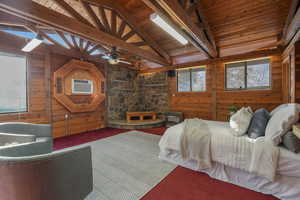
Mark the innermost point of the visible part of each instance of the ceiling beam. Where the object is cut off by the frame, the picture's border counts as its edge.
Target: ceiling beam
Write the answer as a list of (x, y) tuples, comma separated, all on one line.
[(92, 15), (156, 8), (31, 11), (204, 23), (132, 23), (71, 11), (292, 11), (178, 14)]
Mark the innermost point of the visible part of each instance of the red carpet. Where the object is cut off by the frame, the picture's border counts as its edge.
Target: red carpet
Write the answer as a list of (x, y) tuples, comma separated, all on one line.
[(181, 183), (185, 184), (82, 138)]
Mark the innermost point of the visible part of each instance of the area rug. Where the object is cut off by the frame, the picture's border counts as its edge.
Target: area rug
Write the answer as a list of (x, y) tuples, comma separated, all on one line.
[(126, 166)]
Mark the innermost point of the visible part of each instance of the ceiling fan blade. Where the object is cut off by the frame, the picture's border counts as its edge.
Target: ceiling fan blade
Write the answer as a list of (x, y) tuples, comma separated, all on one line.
[(106, 57), (126, 62)]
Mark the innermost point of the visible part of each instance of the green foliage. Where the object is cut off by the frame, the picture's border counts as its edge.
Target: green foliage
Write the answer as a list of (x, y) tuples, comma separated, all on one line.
[(233, 109)]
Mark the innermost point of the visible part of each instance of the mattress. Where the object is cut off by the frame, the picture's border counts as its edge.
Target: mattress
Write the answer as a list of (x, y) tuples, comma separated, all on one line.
[(288, 164)]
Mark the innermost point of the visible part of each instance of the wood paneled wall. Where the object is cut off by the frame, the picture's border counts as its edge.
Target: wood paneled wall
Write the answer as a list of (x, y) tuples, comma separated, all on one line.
[(66, 123), (213, 104), (43, 108), (36, 92)]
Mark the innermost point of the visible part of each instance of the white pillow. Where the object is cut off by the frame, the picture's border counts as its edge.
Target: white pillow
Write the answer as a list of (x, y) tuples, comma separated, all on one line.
[(240, 121), (281, 122), (278, 108)]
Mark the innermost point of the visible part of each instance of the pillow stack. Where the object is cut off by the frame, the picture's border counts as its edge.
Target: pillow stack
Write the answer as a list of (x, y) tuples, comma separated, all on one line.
[(275, 126), (281, 122)]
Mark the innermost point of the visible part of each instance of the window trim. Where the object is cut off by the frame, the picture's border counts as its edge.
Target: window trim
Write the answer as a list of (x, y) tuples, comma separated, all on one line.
[(202, 68), (26, 82), (245, 77)]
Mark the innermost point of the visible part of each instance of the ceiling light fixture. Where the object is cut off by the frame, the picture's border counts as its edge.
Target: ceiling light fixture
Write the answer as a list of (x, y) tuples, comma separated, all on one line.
[(166, 27), (33, 43)]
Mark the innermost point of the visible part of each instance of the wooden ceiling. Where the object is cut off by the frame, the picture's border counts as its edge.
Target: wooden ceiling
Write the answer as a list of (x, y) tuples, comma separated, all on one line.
[(237, 26)]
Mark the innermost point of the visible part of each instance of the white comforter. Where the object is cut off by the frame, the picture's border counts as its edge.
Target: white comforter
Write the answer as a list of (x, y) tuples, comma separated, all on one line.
[(255, 156)]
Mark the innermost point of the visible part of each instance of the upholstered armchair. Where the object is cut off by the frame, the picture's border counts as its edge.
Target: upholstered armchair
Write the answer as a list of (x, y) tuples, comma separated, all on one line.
[(42, 143), (61, 175)]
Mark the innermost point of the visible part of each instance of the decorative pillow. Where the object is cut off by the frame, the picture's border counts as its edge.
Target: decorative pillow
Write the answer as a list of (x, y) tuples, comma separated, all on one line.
[(278, 108), (281, 122), (258, 123), (291, 142), (239, 122)]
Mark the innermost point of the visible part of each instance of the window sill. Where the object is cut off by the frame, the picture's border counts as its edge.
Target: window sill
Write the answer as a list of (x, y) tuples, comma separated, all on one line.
[(190, 93), (249, 90)]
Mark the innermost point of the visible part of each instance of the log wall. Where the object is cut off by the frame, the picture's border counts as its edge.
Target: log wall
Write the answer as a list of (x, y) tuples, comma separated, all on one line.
[(42, 107), (213, 104)]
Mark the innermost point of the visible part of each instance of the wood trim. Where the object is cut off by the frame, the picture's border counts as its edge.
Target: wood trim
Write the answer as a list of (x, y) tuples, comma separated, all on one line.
[(48, 86), (34, 12)]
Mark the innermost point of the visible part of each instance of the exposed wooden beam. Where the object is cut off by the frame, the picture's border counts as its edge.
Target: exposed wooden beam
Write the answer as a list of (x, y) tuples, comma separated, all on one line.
[(204, 23), (128, 35), (50, 39), (64, 39), (71, 11), (292, 11), (113, 21), (139, 43), (157, 8), (74, 42), (122, 28), (293, 27), (34, 12), (177, 12), (99, 47), (133, 24), (104, 19), (92, 15), (87, 46)]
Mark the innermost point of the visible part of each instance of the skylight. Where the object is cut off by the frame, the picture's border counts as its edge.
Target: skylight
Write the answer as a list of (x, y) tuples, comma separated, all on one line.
[(23, 34)]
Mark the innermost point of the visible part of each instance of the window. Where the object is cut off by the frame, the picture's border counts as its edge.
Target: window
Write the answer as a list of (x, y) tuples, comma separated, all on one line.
[(13, 90), (191, 80), (253, 74)]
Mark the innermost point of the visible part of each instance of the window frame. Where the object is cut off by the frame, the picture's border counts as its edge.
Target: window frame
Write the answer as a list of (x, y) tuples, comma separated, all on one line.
[(202, 68), (246, 88), (26, 82)]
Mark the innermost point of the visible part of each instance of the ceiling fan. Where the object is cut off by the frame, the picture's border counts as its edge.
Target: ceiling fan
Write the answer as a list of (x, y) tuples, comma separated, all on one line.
[(114, 58)]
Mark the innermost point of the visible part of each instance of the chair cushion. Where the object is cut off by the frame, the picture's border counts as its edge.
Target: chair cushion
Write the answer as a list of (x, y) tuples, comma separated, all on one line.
[(258, 123), (7, 139)]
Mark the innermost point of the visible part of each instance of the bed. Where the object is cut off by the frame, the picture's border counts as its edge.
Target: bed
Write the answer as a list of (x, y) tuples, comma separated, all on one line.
[(285, 186)]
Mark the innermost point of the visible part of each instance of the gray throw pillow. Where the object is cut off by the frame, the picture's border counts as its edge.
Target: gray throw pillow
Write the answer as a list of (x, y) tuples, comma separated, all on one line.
[(291, 142), (258, 123)]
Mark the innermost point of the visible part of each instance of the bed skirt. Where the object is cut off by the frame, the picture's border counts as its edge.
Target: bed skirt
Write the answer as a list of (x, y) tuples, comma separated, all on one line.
[(284, 187)]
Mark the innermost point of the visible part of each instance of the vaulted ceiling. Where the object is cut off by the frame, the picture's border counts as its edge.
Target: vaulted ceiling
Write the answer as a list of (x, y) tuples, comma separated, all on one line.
[(216, 28)]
